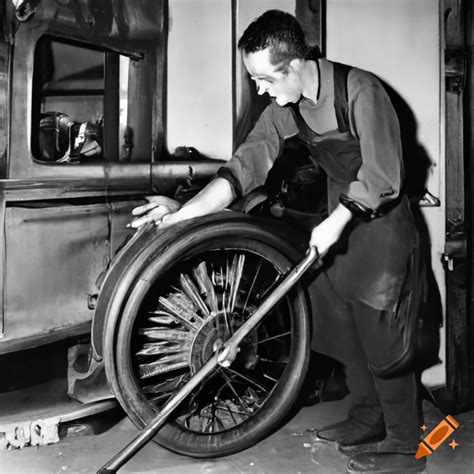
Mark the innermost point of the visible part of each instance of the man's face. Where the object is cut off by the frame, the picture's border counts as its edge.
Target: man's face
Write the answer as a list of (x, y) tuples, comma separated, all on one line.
[(278, 80)]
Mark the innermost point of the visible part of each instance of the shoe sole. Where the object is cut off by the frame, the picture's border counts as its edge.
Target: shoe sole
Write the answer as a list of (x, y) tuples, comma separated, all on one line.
[(359, 448), (384, 471), (324, 440)]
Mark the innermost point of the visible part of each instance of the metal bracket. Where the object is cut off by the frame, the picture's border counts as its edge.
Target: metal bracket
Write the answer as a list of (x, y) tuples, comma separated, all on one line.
[(429, 200), (25, 9), (455, 248), (455, 61)]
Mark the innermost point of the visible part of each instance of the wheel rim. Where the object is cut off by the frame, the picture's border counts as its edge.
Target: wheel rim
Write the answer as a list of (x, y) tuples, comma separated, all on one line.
[(189, 310)]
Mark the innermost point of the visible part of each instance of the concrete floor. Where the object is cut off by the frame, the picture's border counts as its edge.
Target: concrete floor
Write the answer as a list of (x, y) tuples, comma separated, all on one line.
[(290, 450), (40, 382)]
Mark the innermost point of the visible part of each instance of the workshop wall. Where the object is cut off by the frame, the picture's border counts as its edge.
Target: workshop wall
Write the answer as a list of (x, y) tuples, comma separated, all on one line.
[(399, 40), (202, 82), (199, 107)]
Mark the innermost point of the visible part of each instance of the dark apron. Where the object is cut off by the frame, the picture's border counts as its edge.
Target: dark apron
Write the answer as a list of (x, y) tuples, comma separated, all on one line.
[(370, 262)]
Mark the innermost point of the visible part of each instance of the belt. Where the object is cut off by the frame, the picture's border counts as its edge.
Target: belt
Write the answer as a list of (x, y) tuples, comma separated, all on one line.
[(366, 213)]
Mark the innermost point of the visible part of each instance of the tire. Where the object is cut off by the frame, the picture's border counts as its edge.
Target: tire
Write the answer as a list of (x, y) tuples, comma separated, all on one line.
[(152, 349)]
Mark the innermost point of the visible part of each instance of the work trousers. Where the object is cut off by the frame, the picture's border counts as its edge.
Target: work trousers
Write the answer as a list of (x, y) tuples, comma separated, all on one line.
[(356, 335)]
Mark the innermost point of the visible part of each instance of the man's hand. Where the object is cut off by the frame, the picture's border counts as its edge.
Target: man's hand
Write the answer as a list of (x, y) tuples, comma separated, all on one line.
[(326, 234), (154, 211), (214, 197)]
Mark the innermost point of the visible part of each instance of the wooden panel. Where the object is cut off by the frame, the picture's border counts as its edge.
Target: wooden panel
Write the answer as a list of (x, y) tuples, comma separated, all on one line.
[(3, 266), (311, 16), (4, 148), (470, 141), (457, 326), (4, 106)]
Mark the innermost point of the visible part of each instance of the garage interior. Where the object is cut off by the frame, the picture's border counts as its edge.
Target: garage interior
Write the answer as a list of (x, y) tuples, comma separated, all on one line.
[(422, 51)]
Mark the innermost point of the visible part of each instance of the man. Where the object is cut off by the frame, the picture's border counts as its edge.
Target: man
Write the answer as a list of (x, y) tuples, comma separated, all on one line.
[(350, 128)]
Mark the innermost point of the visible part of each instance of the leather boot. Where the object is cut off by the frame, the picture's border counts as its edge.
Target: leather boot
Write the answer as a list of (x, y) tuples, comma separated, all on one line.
[(381, 463), (353, 449), (351, 431)]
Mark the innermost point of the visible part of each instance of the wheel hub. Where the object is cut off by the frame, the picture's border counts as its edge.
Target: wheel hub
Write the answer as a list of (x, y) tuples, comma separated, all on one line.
[(213, 333)]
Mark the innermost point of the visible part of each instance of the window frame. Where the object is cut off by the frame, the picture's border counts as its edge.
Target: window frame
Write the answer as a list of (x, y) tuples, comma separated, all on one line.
[(29, 179)]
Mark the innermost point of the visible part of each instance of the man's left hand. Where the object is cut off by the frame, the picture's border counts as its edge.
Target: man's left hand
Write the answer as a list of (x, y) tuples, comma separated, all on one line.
[(326, 234)]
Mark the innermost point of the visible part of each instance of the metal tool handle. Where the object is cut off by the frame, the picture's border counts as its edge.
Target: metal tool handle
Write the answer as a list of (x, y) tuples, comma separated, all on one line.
[(230, 348), (223, 357)]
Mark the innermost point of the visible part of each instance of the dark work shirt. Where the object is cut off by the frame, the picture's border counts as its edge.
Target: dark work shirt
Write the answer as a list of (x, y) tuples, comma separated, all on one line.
[(372, 121)]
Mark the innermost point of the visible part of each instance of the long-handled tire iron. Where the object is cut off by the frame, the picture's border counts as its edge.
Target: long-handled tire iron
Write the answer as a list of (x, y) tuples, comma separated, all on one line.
[(224, 354)]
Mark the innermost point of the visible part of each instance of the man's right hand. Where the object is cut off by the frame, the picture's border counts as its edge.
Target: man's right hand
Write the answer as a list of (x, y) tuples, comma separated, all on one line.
[(154, 211), (163, 211)]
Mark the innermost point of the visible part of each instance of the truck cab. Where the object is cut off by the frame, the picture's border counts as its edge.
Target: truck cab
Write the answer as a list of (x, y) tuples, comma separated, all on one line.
[(81, 142)]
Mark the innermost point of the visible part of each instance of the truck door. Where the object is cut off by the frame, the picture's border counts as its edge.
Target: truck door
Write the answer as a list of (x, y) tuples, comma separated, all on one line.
[(86, 86)]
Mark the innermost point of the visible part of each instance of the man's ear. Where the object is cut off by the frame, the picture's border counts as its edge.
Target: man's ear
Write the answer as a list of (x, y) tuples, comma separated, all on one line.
[(295, 65)]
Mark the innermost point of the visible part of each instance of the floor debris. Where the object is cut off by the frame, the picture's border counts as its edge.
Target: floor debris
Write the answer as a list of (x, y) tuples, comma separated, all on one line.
[(29, 433)]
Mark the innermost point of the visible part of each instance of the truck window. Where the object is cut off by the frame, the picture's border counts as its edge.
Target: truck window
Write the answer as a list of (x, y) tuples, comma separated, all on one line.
[(80, 100)]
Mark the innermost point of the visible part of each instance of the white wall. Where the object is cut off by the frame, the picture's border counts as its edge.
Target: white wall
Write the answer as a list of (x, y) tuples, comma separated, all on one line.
[(199, 107), (399, 40), (199, 102)]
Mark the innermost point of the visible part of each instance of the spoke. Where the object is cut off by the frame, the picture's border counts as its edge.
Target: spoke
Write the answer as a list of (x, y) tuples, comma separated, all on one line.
[(226, 319), (274, 337), (219, 421), (167, 386), (235, 275), (230, 411), (270, 361), (249, 379), (161, 317), (270, 287), (193, 412), (165, 334), (229, 384), (161, 399), (160, 367), (209, 425), (192, 292), (270, 378), (252, 285), (206, 286), (156, 349), (233, 411), (227, 277), (182, 308)]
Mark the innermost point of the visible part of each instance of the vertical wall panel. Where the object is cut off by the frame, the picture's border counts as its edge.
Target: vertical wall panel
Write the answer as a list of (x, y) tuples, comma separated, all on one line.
[(248, 103), (199, 108)]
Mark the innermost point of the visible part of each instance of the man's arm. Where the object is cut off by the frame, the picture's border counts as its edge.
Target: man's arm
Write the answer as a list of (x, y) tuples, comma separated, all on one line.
[(216, 196), (375, 124), (246, 170), (326, 234)]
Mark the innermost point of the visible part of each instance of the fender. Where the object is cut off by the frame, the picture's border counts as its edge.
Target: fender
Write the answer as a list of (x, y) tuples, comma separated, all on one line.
[(130, 261)]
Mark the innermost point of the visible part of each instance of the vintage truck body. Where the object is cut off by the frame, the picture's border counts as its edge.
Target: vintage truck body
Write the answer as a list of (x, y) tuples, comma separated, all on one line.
[(63, 221)]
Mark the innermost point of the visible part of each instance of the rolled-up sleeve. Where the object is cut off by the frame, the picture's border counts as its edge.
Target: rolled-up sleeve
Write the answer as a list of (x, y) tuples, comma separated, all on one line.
[(374, 122), (249, 166)]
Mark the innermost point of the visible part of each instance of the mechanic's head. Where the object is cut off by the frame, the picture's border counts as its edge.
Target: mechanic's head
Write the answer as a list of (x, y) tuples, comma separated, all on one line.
[(273, 48)]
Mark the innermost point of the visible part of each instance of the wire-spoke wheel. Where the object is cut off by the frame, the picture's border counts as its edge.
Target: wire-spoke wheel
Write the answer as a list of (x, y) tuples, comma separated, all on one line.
[(187, 301)]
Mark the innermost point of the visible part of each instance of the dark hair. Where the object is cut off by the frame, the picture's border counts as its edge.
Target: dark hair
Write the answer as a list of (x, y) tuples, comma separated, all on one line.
[(278, 30)]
